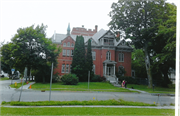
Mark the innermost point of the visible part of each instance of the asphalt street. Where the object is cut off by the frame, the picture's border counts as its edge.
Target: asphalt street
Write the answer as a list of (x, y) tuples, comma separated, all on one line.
[(10, 94)]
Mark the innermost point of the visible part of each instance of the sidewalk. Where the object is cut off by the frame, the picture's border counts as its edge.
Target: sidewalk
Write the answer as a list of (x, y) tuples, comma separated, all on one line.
[(26, 86)]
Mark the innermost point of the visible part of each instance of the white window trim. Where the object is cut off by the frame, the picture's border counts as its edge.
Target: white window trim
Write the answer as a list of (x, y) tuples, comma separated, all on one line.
[(64, 53), (109, 55), (67, 68), (68, 44), (68, 52), (72, 45), (94, 54), (64, 44), (121, 57), (63, 68)]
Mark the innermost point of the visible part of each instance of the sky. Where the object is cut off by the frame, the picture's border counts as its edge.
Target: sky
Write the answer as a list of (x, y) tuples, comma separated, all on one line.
[(56, 14)]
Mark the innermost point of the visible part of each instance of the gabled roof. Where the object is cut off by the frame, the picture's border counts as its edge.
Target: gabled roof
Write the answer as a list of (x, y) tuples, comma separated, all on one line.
[(60, 37), (98, 35)]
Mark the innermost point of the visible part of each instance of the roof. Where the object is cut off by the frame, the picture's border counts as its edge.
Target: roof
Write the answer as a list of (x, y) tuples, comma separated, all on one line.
[(109, 62), (60, 37), (98, 35)]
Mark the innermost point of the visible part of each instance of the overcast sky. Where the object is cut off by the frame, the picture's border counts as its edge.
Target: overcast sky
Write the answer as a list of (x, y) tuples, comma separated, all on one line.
[(56, 14)]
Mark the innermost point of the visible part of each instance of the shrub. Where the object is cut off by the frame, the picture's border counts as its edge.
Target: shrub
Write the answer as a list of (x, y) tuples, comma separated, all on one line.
[(97, 78), (70, 79), (129, 80)]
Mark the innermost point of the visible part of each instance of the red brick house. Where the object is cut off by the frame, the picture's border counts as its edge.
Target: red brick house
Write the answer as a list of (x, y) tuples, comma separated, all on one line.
[(108, 54)]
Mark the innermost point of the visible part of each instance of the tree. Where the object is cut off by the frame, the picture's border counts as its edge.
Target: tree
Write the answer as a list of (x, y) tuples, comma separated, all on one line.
[(137, 20), (163, 46), (30, 48), (138, 63), (89, 60), (78, 62)]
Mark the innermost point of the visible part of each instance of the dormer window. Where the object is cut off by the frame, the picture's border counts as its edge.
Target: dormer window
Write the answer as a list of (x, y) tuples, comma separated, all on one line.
[(108, 42), (64, 45)]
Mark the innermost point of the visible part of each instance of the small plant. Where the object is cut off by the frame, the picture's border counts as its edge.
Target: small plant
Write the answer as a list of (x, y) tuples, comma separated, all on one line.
[(70, 79)]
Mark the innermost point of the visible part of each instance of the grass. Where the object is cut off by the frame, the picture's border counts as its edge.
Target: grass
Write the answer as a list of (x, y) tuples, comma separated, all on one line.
[(6, 111), (4, 78), (91, 102), (82, 86), (170, 90), (18, 85)]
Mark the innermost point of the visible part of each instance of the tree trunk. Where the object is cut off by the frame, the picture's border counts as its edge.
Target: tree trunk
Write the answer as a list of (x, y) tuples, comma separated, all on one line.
[(148, 69)]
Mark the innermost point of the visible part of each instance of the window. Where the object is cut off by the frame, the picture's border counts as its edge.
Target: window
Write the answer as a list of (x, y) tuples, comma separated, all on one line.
[(68, 44), (108, 42), (67, 68), (68, 52), (70, 67), (121, 70), (72, 45), (108, 55), (94, 55), (63, 68), (94, 67), (72, 52), (64, 45), (121, 57), (64, 52)]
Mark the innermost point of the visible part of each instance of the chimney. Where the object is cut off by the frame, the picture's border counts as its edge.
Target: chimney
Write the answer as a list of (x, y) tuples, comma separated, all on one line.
[(96, 28), (83, 26)]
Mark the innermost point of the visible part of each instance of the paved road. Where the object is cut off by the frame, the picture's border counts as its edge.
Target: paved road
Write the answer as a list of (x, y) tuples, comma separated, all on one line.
[(8, 94)]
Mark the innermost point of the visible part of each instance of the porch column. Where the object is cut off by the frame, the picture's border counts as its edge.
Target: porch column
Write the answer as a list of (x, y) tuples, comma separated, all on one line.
[(114, 69), (105, 69)]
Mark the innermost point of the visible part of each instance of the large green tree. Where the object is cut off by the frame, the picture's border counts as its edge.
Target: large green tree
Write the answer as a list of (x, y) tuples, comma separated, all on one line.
[(89, 60), (30, 48), (138, 20), (78, 62), (163, 47)]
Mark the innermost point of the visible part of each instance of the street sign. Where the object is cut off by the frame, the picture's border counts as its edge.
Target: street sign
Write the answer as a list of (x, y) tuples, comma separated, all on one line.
[(12, 69)]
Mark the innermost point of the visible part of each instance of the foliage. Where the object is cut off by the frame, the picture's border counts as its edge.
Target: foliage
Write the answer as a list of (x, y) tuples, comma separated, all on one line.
[(30, 48), (140, 21), (129, 80), (97, 78), (91, 102), (163, 46), (70, 79), (78, 62), (89, 60), (138, 64), (121, 72)]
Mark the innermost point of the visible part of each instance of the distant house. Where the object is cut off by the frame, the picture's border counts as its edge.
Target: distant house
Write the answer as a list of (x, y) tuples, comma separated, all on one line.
[(109, 56)]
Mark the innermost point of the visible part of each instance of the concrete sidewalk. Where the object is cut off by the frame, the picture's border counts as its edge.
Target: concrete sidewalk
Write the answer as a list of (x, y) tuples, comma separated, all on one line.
[(26, 86)]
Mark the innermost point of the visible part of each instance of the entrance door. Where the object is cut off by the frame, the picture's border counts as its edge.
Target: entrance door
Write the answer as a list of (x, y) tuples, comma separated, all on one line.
[(108, 71)]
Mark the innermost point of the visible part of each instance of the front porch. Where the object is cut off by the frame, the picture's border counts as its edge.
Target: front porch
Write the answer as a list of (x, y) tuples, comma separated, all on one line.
[(109, 68)]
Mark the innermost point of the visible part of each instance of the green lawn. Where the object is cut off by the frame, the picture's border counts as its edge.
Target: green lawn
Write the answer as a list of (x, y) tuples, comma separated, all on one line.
[(18, 85), (82, 86), (86, 111), (4, 78), (170, 90), (91, 102)]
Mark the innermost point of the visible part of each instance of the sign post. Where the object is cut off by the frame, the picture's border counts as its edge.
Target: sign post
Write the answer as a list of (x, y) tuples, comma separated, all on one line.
[(50, 83), (88, 79)]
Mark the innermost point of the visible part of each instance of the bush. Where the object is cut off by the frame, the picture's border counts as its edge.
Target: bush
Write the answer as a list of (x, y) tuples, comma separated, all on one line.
[(70, 79), (97, 78), (129, 80)]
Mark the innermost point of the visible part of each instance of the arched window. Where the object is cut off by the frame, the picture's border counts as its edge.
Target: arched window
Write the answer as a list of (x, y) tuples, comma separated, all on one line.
[(64, 45), (108, 55), (68, 44), (121, 57), (72, 45)]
